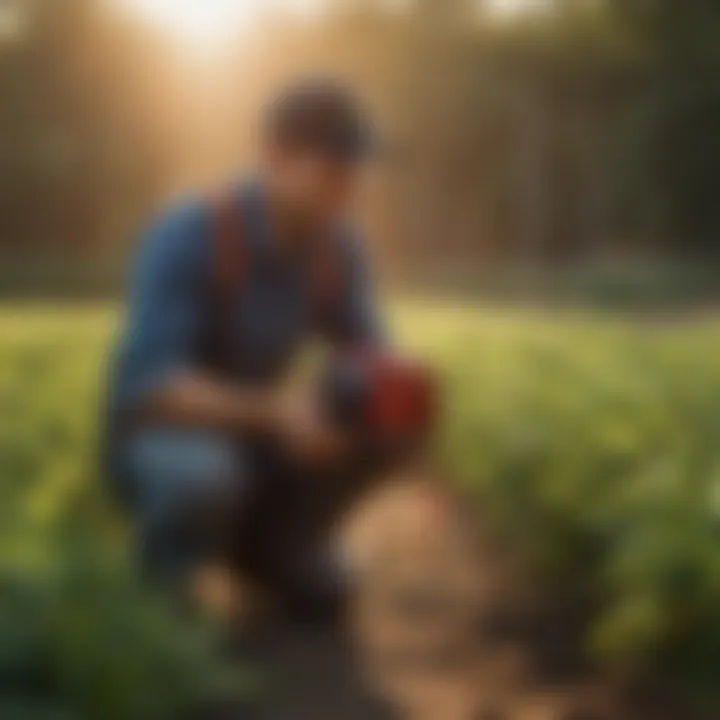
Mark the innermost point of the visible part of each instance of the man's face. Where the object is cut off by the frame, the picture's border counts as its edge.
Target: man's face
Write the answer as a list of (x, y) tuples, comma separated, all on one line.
[(320, 189)]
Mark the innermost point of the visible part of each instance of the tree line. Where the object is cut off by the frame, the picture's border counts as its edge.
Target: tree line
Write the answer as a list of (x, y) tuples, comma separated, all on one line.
[(582, 134)]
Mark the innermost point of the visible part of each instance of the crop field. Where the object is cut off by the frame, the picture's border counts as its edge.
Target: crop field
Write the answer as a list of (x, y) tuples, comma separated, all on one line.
[(594, 440)]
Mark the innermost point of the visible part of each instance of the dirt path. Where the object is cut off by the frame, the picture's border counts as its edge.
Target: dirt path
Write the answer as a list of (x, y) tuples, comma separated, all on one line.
[(442, 629)]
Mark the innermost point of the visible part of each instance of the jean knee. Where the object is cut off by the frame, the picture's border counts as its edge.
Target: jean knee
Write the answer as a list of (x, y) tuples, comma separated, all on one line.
[(176, 471)]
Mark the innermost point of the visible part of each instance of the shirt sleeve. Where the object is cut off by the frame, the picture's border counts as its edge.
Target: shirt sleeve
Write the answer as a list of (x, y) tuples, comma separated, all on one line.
[(165, 307), (357, 320)]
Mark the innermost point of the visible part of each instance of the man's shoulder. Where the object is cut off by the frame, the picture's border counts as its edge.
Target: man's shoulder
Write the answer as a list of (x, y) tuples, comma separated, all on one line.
[(178, 235), (183, 215), (187, 217)]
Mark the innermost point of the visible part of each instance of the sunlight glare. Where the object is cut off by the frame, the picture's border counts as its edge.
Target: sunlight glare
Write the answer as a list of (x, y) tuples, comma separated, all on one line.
[(202, 21), (510, 8)]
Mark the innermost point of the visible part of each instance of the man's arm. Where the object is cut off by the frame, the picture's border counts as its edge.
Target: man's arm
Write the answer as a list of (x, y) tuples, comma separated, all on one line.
[(169, 284), (195, 399)]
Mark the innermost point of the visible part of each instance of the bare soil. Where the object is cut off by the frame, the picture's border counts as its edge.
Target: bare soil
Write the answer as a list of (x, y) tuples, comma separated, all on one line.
[(445, 626)]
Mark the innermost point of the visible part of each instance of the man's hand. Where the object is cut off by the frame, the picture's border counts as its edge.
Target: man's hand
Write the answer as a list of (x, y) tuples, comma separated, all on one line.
[(306, 435)]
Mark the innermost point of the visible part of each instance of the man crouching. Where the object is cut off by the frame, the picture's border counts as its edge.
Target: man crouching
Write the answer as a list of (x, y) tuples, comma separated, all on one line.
[(213, 459)]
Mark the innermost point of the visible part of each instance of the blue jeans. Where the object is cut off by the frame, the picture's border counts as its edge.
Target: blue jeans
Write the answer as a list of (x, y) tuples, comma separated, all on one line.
[(198, 497), (187, 489)]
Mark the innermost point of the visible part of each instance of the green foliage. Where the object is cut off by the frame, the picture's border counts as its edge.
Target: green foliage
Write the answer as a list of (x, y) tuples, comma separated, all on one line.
[(80, 637), (597, 443), (84, 637)]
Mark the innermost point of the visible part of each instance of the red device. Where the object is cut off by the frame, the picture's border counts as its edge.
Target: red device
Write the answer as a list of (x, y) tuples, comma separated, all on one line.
[(387, 400)]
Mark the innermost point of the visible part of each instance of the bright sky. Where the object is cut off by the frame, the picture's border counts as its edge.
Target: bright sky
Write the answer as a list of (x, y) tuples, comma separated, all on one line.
[(513, 7), (205, 21)]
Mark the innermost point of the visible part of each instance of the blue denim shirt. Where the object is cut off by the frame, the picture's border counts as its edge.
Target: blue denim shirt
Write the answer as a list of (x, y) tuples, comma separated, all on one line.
[(170, 281)]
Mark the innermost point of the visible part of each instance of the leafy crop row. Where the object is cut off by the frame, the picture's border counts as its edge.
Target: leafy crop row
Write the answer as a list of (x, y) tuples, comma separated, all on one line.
[(597, 442)]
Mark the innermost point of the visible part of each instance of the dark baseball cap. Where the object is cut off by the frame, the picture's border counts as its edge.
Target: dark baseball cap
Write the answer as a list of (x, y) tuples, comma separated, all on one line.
[(321, 115)]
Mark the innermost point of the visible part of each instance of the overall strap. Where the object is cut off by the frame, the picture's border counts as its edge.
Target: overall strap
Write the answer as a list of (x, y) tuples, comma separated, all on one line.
[(229, 270), (329, 275), (229, 257)]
